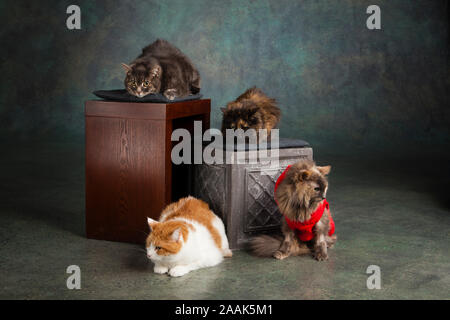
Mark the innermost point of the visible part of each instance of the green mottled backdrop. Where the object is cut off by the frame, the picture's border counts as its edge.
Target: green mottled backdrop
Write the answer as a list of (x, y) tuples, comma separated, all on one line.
[(336, 81)]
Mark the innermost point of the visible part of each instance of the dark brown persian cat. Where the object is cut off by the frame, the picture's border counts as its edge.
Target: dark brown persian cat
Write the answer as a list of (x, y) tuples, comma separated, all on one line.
[(300, 193), (161, 68), (251, 110)]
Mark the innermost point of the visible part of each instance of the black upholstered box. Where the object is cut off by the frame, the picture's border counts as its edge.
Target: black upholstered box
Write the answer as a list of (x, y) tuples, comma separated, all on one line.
[(242, 194)]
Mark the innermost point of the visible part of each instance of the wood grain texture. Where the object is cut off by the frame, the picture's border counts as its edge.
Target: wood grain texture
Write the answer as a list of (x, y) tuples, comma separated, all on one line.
[(128, 165), (135, 110)]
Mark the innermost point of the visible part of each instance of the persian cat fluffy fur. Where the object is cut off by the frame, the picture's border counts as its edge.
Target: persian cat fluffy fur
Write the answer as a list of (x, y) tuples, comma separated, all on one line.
[(251, 110), (299, 195), (161, 68), (188, 236)]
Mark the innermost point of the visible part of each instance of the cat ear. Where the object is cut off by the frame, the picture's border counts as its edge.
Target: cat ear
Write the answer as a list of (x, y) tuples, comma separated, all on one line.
[(156, 71), (324, 170), (151, 222), (223, 109), (126, 67), (176, 235)]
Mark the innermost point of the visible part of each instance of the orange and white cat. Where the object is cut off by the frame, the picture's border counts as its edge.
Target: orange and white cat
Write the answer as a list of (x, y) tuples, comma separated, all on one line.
[(188, 236)]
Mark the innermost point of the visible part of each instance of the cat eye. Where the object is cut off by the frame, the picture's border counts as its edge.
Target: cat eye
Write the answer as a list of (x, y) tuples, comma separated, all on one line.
[(146, 83), (157, 248), (317, 188)]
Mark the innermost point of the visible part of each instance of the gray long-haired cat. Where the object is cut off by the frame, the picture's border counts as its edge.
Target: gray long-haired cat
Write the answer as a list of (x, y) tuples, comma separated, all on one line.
[(162, 68)]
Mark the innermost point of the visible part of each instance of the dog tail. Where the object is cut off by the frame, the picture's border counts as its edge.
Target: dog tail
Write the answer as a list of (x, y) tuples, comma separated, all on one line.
[(265, 245)]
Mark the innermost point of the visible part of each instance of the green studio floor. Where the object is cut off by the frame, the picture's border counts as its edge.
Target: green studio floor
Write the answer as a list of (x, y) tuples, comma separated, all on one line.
[(391, 212)]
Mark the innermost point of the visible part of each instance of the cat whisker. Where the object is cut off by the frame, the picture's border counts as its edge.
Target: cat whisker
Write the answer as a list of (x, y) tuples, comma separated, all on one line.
[(139, 249)]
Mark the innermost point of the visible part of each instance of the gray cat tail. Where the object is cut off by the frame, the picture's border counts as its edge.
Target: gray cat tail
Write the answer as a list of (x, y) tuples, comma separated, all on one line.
[(264, 245)]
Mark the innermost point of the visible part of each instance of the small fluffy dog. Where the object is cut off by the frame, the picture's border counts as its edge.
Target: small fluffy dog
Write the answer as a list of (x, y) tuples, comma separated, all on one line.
[(300, 193)]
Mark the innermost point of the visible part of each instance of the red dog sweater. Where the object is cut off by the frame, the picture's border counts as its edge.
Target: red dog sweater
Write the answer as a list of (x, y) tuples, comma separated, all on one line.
[(305, 229)]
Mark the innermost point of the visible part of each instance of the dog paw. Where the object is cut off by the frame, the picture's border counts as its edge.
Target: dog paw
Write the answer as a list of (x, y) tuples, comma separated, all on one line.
[(170, 94), (331, 241), (160, 269), (321, 255), (280, 255), (178, 271)]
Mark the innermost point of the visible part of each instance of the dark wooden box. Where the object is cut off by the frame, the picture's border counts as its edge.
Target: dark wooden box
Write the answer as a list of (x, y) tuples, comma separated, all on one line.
[(129, 172)]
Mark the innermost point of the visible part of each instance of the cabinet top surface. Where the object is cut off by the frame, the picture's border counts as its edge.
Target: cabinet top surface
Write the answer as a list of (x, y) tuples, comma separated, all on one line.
[(142, 110)]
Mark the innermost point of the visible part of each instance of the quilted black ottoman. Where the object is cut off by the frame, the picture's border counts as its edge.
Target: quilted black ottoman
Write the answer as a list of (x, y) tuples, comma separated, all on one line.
[(242, 194)]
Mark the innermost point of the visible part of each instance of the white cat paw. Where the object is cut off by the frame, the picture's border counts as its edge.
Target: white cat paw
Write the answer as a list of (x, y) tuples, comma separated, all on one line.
[(178, 271), (170, 94), (160, 269)]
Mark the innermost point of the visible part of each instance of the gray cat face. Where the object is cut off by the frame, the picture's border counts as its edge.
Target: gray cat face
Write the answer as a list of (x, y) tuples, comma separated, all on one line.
[(142, 80)]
